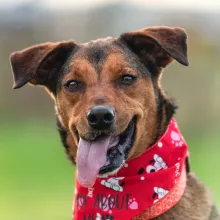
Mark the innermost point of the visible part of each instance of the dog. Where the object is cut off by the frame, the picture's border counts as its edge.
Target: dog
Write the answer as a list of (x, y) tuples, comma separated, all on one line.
[(107, 90)]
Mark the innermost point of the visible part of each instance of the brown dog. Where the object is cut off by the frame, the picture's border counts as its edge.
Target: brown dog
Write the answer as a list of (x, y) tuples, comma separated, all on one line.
[(108, 85)]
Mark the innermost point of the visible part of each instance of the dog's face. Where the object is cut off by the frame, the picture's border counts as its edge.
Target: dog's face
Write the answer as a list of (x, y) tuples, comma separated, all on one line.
[(109, 103)]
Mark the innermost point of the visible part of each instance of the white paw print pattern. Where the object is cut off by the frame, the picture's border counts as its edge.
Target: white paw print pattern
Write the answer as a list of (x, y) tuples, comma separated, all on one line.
[(176, 139)]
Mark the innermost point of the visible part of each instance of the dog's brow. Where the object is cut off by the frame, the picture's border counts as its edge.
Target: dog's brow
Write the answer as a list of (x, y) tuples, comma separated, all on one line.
[(116, 63), (106, 56), (81, 67)]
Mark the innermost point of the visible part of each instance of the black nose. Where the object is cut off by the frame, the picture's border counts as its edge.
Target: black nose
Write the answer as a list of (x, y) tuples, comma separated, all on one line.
[(101, 117)]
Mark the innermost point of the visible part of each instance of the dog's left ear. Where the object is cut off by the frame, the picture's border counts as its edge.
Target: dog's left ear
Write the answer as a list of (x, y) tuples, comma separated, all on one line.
[(158, 46)]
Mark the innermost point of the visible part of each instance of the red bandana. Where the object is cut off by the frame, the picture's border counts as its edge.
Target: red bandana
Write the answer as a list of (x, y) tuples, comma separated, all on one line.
[(150, 184)]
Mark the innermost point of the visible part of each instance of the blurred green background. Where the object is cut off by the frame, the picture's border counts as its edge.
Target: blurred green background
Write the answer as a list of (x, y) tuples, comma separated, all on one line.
[(37, 180)]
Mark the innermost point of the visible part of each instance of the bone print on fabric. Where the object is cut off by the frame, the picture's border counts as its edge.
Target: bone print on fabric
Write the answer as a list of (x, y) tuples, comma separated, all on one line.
[(113, 183), (159, 193)]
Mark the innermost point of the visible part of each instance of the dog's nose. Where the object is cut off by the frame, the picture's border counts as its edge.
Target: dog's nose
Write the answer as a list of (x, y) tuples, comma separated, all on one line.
[(101, 117)]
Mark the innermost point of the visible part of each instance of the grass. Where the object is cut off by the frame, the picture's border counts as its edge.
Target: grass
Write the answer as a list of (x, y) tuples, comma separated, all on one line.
[(37, 181)]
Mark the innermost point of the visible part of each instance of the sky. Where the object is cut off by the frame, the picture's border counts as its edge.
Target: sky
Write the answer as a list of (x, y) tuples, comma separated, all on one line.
[(173, 4)]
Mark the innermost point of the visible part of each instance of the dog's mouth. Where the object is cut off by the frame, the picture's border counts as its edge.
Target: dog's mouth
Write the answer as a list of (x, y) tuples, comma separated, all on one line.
[(104, 155)]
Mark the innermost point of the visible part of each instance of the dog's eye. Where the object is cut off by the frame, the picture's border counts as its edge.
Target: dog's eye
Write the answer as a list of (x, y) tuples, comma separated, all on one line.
[(72, 85), (128, 79)]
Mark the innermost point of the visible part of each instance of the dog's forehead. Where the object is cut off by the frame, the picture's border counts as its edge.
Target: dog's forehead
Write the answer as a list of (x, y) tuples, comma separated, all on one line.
[(109, 53), (96, 50), (97, 53)]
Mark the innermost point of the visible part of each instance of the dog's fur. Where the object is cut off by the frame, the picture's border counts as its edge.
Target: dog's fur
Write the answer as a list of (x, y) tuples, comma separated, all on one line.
[(98, 67)]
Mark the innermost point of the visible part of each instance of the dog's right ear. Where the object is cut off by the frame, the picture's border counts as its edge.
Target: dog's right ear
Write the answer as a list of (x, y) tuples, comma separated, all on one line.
[(39, 64)]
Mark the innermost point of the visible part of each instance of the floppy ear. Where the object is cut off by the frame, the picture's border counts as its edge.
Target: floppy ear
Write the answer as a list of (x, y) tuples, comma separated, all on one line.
[(39, 64), (158, 46)]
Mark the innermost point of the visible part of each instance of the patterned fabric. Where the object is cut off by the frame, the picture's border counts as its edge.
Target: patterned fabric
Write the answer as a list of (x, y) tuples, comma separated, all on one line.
[(149, 184)]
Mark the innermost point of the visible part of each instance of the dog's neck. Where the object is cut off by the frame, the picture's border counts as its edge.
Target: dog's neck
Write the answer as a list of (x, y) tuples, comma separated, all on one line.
[(166, 109)]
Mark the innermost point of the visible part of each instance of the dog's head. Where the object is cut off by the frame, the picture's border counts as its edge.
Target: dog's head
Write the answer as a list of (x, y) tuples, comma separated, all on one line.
[(110, 106)]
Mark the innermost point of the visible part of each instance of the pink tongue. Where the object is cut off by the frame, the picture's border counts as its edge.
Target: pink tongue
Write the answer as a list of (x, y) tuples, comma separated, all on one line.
[(91, 156)]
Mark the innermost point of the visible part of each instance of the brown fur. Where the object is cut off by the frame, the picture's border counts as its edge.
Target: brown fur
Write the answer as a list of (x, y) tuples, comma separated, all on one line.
[(99, 66)]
